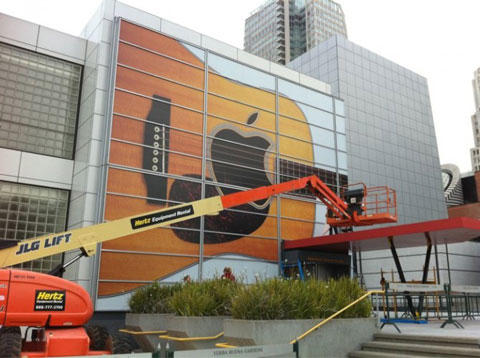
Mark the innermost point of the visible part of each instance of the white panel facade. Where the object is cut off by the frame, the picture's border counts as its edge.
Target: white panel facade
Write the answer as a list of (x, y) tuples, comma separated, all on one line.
[(44, 170), (18, 32), (10, 164)]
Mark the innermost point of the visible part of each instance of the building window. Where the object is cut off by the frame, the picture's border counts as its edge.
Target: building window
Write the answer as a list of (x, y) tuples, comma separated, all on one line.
[(39, 98), (29, 211)]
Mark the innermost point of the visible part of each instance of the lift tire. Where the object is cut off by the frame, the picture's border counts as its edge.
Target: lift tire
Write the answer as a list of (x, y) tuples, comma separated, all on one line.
[(99, 338), (121, 344), (10, 342)]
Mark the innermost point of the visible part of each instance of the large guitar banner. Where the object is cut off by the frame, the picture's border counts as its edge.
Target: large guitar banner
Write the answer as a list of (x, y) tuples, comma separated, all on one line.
[(180, 133)]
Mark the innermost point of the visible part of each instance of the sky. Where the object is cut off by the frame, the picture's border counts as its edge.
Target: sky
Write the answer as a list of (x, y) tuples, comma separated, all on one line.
[(438, 39)]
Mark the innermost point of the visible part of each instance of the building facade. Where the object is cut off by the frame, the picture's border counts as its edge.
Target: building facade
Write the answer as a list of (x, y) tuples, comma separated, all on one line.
[(40, 86), (282, 30), (452, 185), (390, 138), (475, 152), (150, 115)]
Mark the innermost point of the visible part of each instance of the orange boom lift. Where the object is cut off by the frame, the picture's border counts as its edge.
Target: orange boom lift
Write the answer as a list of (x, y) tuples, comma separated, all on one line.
[(56, 310)]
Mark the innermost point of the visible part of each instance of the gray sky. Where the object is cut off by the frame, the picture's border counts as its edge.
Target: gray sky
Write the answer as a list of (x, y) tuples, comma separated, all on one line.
[(438, 39)]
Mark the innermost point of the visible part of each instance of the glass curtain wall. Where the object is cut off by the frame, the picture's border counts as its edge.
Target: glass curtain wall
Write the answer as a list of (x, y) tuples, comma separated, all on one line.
[(28, 211), (298, 44), (38, 102)]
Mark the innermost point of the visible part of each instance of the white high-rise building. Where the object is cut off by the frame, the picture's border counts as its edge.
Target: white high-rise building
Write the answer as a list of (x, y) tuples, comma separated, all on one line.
[(282, 30), (475, 152)]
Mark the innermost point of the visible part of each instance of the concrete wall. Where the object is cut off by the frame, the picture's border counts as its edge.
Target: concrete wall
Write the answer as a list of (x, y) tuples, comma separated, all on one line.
[(336, 339)]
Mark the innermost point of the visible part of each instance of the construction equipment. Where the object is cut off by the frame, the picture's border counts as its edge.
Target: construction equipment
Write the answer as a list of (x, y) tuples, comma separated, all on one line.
[(58, 309)]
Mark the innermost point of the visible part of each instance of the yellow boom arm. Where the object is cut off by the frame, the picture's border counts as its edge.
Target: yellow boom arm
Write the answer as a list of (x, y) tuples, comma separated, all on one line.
[(87, 238)]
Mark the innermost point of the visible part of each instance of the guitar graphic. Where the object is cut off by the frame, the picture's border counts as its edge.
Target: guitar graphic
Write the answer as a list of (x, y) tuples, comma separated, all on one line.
[(238, 159), (158, 156)]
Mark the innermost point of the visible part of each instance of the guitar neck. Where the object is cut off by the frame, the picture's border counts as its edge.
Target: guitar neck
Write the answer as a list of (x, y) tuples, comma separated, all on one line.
[(289, 170)]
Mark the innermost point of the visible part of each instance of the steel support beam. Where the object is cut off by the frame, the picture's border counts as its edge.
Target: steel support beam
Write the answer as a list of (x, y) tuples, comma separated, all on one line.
[(401, 275)]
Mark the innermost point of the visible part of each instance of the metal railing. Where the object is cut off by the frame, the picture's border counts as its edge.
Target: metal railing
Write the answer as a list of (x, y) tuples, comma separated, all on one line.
[(328, 319), (191, 339), (141, 333), (419, 302)]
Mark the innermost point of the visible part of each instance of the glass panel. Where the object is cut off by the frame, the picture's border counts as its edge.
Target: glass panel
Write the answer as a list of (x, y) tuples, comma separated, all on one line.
[(301, 151), (160, 65), (40, 207), (317, 117), (303, 112), (341, 142), (200, 54), (297, 219), (241, 73), (339, 107), (156, 42), (125, 267), (160, 135), (324, 156), (243, 114), (323, 137), (39, 98), (342, 160), (154, 159), (150, 86), (294, 128), (305, 95), (291, 169), (155, 110), (242, 93), (248, 171), (340, 124), (145, 197)]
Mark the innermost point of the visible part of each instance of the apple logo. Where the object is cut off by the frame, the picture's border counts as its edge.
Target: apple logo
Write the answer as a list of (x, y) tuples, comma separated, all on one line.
[(239, 159)]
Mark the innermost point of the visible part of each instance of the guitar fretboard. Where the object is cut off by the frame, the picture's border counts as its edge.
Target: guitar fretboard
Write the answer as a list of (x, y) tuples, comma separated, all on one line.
[(290, 170)]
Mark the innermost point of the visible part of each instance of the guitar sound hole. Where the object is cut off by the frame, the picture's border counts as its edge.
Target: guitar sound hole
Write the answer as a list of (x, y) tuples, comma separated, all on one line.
[(242, 223)]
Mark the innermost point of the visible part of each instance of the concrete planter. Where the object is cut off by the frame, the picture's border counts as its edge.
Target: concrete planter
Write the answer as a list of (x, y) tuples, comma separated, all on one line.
[(147, 322), (177, 326), (184, 326), (336, 339)]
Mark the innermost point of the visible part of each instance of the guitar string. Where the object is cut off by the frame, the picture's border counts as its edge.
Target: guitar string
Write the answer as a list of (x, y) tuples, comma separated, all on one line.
[(238, 153)]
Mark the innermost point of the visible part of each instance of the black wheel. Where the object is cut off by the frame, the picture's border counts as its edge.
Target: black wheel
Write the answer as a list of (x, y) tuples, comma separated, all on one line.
[(10, 342), (99, 338), (121, 344)]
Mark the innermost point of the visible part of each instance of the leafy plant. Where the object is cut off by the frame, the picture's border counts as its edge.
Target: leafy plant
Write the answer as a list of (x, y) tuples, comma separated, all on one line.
[(207, 298), (153, 298), (264, 300), (285, 299)]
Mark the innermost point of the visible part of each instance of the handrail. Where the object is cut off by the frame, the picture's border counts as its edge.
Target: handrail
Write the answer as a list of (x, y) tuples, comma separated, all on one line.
[(224, 345), (314, 328), (189, 339), (139, 333)]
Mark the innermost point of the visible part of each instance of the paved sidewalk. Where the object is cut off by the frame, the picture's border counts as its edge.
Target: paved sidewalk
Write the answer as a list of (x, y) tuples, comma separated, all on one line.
[(471, 328)]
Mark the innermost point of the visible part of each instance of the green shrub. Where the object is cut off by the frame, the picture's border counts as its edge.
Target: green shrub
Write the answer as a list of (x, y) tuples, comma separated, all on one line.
[(265, 300), (207, 298), (343, 291), (285, 299), (153, 298)]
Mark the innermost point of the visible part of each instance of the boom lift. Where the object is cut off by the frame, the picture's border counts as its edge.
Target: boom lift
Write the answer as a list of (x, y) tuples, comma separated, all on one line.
[(59, 309)]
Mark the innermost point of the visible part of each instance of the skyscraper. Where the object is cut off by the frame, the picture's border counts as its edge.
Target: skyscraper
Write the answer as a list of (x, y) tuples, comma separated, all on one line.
[(282, 30), (475, 152)]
